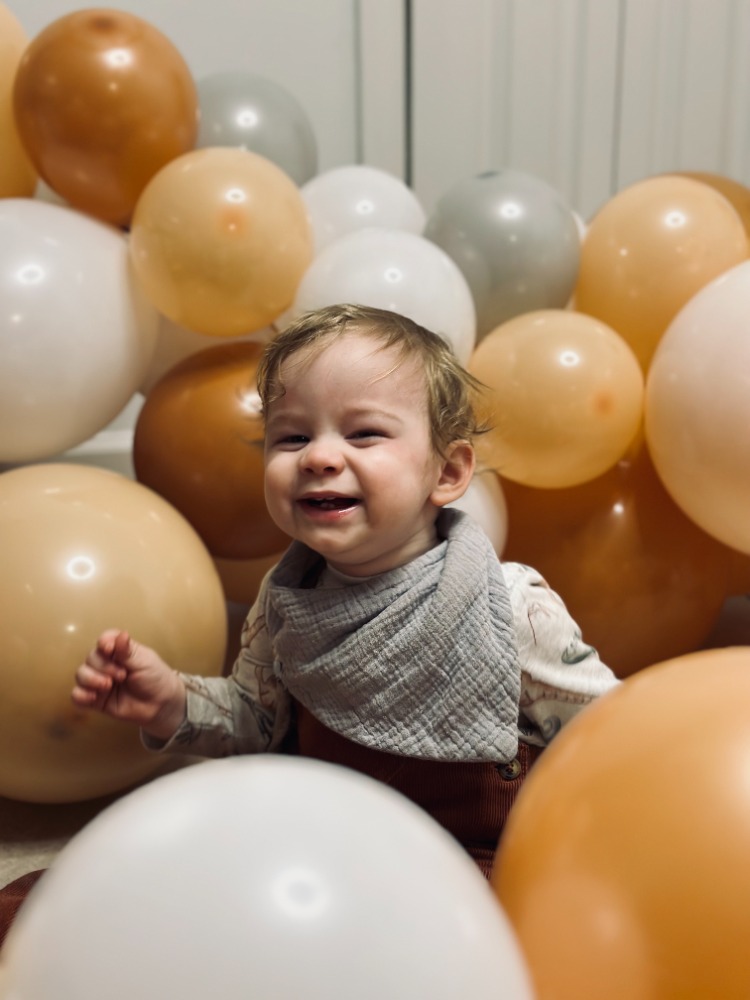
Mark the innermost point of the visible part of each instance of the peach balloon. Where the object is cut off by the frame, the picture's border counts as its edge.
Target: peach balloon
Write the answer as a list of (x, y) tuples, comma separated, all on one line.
[(738, 195), (17, 175), (565, 398), (102, 101), (649, 250), (199, 443), (220, 240), (85, 549), (641, 579), (698, 409), (623, 866), (485, 502)]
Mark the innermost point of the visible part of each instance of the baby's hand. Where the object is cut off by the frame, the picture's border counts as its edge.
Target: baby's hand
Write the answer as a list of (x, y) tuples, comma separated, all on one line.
[(128, 681)]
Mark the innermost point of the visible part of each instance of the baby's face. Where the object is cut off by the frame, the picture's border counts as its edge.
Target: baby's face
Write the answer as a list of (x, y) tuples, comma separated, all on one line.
[(350, 466)]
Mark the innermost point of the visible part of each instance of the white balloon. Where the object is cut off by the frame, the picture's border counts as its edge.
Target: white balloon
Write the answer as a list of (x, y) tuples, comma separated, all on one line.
[(345, 199), (396, 270), (76, 336), (484, 501), (274, 876), (697, 408)]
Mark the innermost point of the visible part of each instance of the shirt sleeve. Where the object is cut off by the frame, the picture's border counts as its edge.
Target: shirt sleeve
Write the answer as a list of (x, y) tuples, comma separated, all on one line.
[(560, 673), (247, 712)]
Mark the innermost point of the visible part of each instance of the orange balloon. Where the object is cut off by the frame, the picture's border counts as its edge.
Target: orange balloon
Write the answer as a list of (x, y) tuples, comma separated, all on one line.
[(623, 866), (17, 175), (649, 250), (199, 443), (737, 194), (220, 240), (641, 579), (241, 578), (85, 549), (565, 398), (102, 101)]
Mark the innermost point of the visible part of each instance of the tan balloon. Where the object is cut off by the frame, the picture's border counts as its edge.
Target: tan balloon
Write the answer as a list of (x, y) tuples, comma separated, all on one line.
[(103, 100), (85, 549), (220, 240), (738, 195), (623, 867), (564, 402), (649, 249), (698, 409), (17, 175)]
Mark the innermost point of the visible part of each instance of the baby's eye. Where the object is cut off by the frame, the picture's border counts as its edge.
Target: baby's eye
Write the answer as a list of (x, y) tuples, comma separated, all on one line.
[(366, 433), (292, 440)]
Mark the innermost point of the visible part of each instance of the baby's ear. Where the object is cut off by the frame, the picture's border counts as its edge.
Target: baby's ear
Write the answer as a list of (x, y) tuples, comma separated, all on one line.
[(455, 473)]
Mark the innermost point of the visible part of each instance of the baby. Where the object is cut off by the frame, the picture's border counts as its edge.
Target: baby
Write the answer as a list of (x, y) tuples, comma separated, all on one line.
[(389, 638)]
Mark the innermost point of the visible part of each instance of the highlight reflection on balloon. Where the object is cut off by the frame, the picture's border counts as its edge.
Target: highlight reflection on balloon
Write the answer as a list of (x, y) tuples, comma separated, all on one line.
[(220, 240), (563, 398), (698, 409), (17, 175), (247, 111), (199, 443), (348, 198), (396, 270), (515, 241), (76, 333), (102, 101), (306, 879), (649, 250), (640, 578), (623, 866), (85, 549)]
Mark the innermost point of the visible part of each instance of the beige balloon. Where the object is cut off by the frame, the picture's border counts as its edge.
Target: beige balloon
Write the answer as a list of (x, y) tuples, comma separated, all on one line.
[(220, 240), (564, 398), (85, 549), (17, 176)]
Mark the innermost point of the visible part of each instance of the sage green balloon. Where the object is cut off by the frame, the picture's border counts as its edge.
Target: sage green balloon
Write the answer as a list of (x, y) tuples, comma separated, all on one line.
[(514, 239), (246, 111)]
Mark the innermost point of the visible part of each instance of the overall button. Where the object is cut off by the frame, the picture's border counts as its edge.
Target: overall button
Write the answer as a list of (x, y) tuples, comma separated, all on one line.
[(511, 770)]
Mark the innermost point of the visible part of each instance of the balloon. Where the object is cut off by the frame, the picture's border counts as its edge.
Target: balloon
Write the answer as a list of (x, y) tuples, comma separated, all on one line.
[(76, 334), (649, 250), (395, 270), (698, 409), (515, 241), (220, 240), (102, 101), (623, 866), (199, 443), (17, 175), (485, 502), (247, 111), (174, 343), (85, 549), (267, 876), (738, 195), (732, 627), (346, 199), (564, 399), (641, 579), (241, 578)]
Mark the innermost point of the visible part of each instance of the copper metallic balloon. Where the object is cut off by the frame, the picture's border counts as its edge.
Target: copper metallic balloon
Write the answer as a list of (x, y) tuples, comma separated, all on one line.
[(102, 101), (83, 550), (564, 398), (220, 240), (623, 866), (199, 443), (649, 250), (17, 175), (641, 579)]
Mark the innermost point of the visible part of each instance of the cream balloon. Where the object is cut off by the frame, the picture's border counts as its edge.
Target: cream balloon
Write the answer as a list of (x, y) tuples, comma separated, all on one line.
[(698, 408), (345, 199), (275, 876), (484, 500), (396, 270), (76, 334), (85, 549)]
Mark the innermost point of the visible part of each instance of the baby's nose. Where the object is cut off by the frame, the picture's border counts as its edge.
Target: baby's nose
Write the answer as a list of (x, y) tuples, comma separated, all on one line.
[(322, 456)]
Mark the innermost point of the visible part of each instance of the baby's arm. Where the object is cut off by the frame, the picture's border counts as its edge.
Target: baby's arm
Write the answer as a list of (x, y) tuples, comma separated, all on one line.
[(560, 673), (131, 682)]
